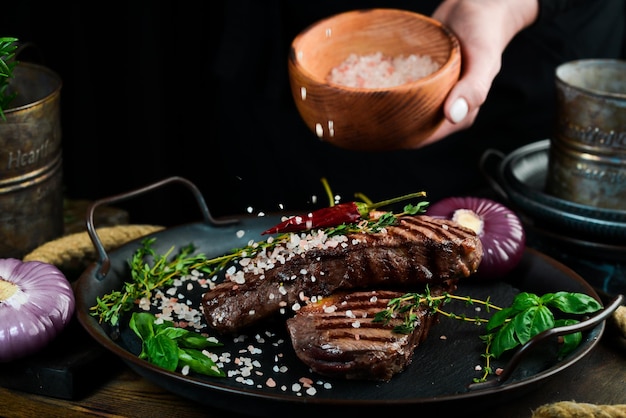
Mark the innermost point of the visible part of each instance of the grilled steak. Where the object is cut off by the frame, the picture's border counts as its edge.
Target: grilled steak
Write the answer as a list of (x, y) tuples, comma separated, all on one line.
[(417, 250), (337, 337)]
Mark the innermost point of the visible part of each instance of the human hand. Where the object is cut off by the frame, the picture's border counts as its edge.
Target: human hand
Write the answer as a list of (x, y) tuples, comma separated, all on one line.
[(484, 29)]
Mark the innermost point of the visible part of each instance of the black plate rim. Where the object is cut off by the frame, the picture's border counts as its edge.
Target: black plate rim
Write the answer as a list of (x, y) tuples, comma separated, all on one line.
[(568, 223)]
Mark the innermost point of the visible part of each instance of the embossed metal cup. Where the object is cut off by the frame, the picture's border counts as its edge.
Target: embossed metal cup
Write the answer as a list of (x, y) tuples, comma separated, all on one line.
[(31, 189), (587, 160)]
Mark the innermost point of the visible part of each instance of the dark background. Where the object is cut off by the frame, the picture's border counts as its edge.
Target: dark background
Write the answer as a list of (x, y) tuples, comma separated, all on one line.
[(197, 89)]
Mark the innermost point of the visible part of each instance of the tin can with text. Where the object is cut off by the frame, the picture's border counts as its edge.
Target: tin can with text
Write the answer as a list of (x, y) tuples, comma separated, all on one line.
[(587, 162)]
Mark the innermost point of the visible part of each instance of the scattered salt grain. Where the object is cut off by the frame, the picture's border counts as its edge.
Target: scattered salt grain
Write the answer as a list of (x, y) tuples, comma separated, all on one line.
[(330, 309), (243, 363), (319, 131)]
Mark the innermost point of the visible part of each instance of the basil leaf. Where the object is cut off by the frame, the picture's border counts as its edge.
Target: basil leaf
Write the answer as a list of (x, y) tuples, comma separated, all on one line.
[(570, 341), (503, 340), (199, 363), (142, 323), (574, 303), (531, 322), (194, 340), (499, 318), (173, 333), (162, 351), (525, 300), (162, 325)]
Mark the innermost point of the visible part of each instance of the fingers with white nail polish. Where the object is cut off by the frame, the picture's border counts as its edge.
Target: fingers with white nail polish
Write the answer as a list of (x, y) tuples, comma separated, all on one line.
[(459, 110)]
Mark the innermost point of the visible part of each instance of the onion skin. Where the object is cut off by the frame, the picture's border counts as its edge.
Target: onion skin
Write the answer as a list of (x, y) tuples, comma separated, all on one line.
[(41, 307), (502, 235)]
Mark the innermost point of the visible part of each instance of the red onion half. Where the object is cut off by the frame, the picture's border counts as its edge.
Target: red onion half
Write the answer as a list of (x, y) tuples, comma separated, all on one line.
[(499, 228), (36, 303)]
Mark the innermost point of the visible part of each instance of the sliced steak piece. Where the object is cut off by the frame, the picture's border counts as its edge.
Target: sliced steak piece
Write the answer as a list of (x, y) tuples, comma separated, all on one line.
[(417, 250), (337, 337)]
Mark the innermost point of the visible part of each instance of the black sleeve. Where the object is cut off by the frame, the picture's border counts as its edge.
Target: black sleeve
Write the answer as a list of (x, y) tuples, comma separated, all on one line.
[(549, 9)]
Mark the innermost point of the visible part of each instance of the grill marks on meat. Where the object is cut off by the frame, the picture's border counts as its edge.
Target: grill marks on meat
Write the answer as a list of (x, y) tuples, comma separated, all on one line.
[(337, 337), (417, 250)]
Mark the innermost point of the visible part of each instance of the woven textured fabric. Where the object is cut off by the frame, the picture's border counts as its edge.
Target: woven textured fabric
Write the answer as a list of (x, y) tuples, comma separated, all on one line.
[(76, 251)]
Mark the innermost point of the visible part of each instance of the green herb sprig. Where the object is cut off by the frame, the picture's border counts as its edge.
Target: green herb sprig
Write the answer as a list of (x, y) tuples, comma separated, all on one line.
[(508, 328), (171, 347), (376, 225), (7, 64), (147, 278)]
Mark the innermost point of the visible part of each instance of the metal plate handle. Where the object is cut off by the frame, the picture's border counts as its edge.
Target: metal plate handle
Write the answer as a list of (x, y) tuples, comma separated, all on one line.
[(105, 262), (552, 332)]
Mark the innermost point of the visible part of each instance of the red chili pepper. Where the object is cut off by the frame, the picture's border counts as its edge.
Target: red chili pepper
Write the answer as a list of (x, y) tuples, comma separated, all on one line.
[(348, 212), (323, 218)]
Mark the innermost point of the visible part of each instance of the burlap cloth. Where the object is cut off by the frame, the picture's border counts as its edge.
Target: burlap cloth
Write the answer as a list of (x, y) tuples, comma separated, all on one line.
[(75, 252)]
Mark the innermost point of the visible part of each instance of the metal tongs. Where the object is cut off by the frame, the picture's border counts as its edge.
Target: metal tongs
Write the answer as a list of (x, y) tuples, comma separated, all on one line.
[(537, 339)]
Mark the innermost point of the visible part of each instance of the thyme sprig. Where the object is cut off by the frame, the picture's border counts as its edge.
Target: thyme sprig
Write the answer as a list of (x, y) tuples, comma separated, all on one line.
[(372, 226), (150, 271), (508, 328), (146, 278)]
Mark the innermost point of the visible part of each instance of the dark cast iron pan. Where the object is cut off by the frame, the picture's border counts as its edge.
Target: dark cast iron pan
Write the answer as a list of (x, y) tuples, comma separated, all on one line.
[(442, 370)]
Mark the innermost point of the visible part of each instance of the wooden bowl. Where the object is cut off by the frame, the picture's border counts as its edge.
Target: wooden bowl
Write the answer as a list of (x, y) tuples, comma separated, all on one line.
[(372, 118)]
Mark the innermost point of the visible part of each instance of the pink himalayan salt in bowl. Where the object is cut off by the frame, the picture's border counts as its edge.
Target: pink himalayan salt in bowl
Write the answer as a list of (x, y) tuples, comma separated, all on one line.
[(373, 79)]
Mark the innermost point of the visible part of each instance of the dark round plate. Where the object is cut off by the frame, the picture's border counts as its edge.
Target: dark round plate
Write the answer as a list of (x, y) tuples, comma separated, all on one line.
[(440, 375), (525, 170), (569, 224)]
